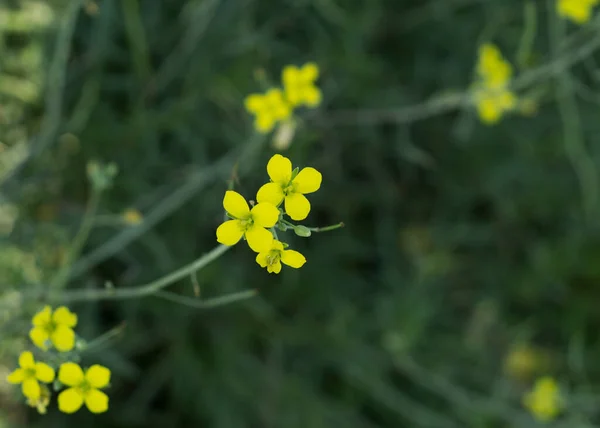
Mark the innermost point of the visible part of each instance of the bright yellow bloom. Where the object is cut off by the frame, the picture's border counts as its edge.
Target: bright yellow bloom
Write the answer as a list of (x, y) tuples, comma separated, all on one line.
[(252, 224), (29, 374), (41, 403), (493, 70), (84, 388), (285, 186), (299, 85), (132, 217), (55, 328), (578, 11), (493, 103), (268, 109), (544, 400), (272, 258)]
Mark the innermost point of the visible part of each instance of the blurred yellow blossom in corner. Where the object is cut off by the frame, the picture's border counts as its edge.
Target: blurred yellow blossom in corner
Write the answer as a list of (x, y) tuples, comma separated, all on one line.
[(578, 11), (132, 217), (299, 85), (268, 109), (544, 400)]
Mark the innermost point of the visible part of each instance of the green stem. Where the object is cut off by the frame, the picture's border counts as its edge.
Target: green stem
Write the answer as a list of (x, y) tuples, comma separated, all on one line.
[(103, 338), (207, 303), (327, 228), (142, 290), (79, 241)]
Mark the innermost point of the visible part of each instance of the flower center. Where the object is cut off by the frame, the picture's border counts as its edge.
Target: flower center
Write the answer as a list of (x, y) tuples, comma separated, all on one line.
[(289, 188), (273, 257), (84, 387), (30, 373), (50, 327), (246, 223)]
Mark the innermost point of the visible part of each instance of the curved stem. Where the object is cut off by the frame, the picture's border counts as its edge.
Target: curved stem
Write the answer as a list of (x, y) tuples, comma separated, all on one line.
[(206, 303)]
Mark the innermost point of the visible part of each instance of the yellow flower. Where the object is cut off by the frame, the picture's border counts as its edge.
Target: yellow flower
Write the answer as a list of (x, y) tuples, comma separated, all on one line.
[(285, 186), (84, 388), (272, 258), (492, 104), (493, 70), (41, 403), (29, 374), (578, 11), (132, 217), (251, 224), (522, 361), (299, 85), (544, 400), (55, 328), (268, 109)]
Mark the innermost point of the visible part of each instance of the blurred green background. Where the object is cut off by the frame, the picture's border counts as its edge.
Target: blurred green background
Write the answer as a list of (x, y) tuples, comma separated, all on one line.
[(463, 242)]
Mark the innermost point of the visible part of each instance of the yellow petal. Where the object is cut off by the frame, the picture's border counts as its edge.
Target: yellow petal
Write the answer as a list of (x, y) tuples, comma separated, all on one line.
[(271, 193), (310, 72), (277, 245), (282, 111), (39, 337), (254, 103), (236, 205), (265, 214), (98, 376), (294, 95), (44, 373), (63, 338), (70, 400), (42, 317), (261, 258), (312, 96), (297, 206), (26, 360), (259, 239), (279, 169), (488, 112), (264, 122), (96, 401), (31, 389), (293, 258), (17, 376), (275, 267), (308, 180), (290, 75), (70, 374), (63, 316), (230, 232)]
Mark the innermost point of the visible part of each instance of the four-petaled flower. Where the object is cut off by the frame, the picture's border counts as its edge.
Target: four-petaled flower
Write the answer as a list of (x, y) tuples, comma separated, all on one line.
[(285, 186), (578, 11), (268, 109), (272, 258), (252, 224), (84, 388), (29, 374), (299, 85), (544, 400), (55, 328)]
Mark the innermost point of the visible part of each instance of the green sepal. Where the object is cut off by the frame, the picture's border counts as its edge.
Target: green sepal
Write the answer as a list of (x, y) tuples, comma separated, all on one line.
[(295, 172)]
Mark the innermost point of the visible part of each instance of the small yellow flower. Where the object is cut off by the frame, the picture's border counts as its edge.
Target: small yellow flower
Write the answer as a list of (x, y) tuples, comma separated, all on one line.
[(493, 103), (285, 187), (41, 403), (299, 85), (272, 258), (578, 11), (493, 70), (132, 217), (84, 388), (55, 328), (544, 400), (29, 374), (252, 224), (269, 109)]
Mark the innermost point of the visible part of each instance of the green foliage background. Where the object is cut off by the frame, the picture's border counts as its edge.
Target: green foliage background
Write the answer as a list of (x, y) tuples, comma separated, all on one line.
[(461, 240)]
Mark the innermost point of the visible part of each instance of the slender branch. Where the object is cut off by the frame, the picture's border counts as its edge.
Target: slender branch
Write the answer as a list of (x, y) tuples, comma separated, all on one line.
[(206, 303), (142, 290), (104, 338), (327, 228)]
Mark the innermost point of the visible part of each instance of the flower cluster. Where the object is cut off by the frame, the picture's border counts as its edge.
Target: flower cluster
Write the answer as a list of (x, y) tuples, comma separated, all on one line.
[(492, 93), (257, 225), (277, 105), (544, 401), (52, 332), (578, 11)]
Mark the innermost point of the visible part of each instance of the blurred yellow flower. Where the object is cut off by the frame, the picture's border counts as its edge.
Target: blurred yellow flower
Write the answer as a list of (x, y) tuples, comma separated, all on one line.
[(522, 361), (84, 388), (272, 258), (41, 403), (299, 85), (269, 109), (252, 224), (288, 187), (29, 374), (132, 217), (544, 400), (578, 11), (492, 104), (55, 328), (492, 67)]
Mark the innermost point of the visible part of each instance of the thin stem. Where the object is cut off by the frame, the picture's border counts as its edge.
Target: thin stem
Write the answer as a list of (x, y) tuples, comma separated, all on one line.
[(327, 228), (79, 241), (207, 303), (142, 290), (103, 338)]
